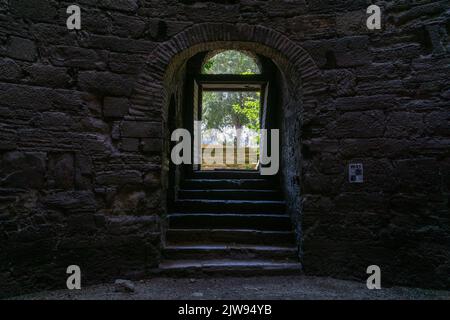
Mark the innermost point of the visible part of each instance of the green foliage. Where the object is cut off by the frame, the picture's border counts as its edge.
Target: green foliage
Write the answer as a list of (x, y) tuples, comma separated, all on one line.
[(231, 62), (248, 112), (231, 109)]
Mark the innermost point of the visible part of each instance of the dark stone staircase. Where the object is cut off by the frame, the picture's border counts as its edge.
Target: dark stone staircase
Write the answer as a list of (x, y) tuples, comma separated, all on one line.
[(229, 222)]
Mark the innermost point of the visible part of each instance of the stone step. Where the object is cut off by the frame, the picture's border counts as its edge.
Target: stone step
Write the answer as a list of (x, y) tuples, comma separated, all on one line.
[(217, 251), (230, 194), (229, 221), (228, 174), (194, 268), (227, 184), (230, 237), (226, 206)]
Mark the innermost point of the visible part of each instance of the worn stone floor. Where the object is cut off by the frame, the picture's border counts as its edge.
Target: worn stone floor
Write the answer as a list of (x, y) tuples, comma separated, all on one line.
[(236, 288)]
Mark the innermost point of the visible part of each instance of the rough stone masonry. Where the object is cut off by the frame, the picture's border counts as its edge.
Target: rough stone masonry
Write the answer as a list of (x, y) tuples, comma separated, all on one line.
[(82, 165)]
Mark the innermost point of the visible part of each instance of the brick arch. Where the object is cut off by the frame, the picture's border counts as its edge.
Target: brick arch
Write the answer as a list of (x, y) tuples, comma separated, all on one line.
[(297, 65)]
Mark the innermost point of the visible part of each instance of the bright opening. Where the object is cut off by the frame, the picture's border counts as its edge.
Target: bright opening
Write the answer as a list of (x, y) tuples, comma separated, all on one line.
[(230, 130)]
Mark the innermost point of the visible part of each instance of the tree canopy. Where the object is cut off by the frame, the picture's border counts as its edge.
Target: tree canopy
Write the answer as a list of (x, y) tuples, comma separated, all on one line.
[(231, 62)]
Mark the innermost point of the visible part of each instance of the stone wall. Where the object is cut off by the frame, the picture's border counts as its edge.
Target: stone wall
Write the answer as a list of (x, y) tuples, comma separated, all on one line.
[(83, 129)]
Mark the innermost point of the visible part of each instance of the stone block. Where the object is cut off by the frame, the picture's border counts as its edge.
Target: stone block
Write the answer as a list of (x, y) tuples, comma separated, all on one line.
[(9, 70), (124, 286), (119, 178), (81, 223), (152, 145), (122, 5), (437, 123), (366, 124), (404, 125), (48, 76), (128, 26), (126, 63), (152, 179), (83, 171), (70, 56), (415, 12), (353, 22), (26, 97), (362, 103), (58, 121), (52, 34), (71, 201), (40, 10), (418, 175), (23, 170), (115, 130), (343, 81), (350, 51), (61, 171), (8, 139), (129, 144), (117, 44), (96, 21)]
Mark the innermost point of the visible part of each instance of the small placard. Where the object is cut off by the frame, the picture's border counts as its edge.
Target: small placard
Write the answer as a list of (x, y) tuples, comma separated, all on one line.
[(356, 173)]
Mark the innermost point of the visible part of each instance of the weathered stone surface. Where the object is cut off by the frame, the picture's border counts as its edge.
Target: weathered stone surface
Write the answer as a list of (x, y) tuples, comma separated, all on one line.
[(346, 51), (125, 286), (119, 178), (51, 34), (34, 9), (152, 145), (420, 10), (118, 44), (61, 171), (438, 123), (344, 82), (8, 139), (126, 63), (129, 144), (138, 129), (125, 5), (404, 124), (68, 56), (22, 49), (9, 70), (105, 83), (153, 179), (45, 75), (367, 124), (83, 171), (125, 26), (20, 97), (130, 201), (23, 170), (84, 132), (72, 201)]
